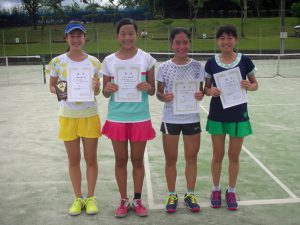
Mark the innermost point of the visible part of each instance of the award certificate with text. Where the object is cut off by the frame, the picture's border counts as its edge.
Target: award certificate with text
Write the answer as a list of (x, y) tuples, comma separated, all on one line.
[(228, 82), (80, 87), (127, 77), (184, 96)]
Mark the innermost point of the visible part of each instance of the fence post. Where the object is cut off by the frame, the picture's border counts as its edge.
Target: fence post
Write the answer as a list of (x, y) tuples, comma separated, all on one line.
[(3, 43), (26, 43), (97, 44), (278, 62), (50, 40)]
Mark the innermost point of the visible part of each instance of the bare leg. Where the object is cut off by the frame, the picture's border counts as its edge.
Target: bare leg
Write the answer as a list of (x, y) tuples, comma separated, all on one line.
[(191, 149), (73, 151), (170, 143), (235, 146), (121, 159), (138, 169), (90, 155), (218, 142)]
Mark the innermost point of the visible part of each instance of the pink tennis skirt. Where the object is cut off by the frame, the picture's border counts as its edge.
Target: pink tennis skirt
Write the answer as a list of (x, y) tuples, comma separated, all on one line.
[(135, 132)]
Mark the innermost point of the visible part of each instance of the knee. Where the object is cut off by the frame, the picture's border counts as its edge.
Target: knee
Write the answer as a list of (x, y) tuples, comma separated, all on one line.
[(121, 162), (171, 161), (233, 159), (137, 162), (91, 163), (191, 160), (74, 162), (217, 158)]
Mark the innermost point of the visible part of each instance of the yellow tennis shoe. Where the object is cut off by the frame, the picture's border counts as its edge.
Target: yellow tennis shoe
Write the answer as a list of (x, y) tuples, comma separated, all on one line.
[(76, 207), (91, 205)]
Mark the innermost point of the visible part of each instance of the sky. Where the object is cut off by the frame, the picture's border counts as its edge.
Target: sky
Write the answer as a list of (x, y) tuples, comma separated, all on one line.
[(8, 4)]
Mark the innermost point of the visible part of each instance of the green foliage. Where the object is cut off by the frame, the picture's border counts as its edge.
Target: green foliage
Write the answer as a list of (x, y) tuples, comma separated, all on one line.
[(167, 21), (158, 17), (261, 33), (296, 9)]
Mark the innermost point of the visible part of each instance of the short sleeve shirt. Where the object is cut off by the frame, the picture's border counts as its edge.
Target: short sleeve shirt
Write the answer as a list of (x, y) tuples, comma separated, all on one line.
[(167, 73), (237, 113), (58, 67), (127, 112)]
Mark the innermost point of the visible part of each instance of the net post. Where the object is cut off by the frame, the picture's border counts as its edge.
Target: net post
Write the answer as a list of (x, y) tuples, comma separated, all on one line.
[(44, 68), (6, 60), (278, 62)]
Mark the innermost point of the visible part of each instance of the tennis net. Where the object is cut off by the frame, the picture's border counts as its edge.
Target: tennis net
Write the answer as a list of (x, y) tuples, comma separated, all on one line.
[(16, 70), (268, 65)]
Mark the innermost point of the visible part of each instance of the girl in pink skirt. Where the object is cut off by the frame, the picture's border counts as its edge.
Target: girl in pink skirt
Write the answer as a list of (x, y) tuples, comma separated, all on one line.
[(128, 79)]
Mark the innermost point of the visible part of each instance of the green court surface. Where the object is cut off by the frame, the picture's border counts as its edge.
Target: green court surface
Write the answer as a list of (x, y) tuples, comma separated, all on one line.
[(34, 178)]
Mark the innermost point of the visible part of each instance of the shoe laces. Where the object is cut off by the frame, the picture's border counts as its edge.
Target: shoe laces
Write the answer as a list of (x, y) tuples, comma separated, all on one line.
[(123, 204), (78, 200), (90, 199), (192, 197), (216, 195), (138, 203), (171, 199), (232, 197)]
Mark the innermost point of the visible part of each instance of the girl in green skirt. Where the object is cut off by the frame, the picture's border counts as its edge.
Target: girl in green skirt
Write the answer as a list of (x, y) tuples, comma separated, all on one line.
[(232, 120)]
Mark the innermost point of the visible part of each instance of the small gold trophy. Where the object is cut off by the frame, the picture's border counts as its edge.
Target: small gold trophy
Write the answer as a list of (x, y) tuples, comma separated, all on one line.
[(61, 90)]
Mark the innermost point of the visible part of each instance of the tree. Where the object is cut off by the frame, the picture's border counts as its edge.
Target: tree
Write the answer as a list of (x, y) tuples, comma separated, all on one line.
[(256, 6), (296, 9), (93, 6), (194, 6), (243, 7), (32, 7), (115, 7), (56, 8)]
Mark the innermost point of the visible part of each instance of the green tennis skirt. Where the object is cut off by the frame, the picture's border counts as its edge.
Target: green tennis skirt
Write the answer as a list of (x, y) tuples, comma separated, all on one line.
[(233, 129)]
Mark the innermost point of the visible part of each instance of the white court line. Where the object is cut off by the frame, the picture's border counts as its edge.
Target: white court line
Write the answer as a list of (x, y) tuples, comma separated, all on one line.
[(44, 182), (291, 81), (293, 199), (246, 202), (148, 180), (252, 105), (284, 187)]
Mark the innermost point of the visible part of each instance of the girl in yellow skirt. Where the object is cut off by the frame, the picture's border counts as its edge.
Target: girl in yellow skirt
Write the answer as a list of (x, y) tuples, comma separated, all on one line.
[(234, 120), (79, 120)]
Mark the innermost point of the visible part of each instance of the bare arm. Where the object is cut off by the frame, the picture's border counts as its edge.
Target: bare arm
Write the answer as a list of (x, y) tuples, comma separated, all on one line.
[(149, 84), (161, 95), (209, 90), (108, 87), (250, 84), (53, 81), (96, 85), (200, 94)]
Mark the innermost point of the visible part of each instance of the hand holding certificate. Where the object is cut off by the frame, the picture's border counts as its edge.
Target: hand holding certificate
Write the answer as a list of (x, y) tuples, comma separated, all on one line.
[(228, 82), (184, 96), (127, 78), (80, 84)]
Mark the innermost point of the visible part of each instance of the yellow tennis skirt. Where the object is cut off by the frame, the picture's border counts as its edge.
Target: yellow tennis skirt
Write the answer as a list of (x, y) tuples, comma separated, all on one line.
[(73, 128)]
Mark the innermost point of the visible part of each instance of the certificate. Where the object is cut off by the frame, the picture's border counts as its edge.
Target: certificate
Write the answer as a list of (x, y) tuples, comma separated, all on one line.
[(229, 82), (127, 77), (184, 96), (80, 87)]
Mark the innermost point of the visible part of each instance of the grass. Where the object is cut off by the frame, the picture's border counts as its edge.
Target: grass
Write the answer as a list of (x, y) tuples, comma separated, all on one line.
[(261, 35)]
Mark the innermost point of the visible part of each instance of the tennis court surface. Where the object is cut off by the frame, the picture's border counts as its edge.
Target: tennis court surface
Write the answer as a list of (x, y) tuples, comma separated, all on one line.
[(34, 174)]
